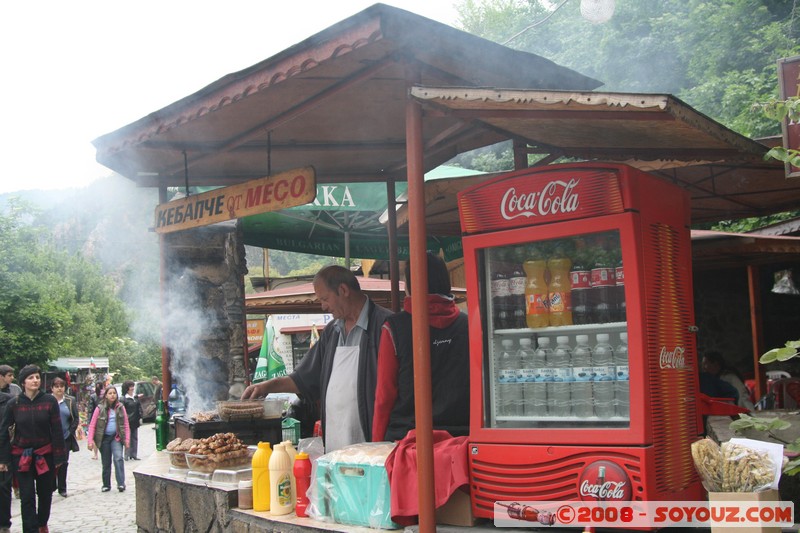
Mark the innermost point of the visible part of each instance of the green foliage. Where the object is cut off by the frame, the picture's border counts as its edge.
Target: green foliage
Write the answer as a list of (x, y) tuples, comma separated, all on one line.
[(790, 350), (53, 303), (759, 424), (720, 57)]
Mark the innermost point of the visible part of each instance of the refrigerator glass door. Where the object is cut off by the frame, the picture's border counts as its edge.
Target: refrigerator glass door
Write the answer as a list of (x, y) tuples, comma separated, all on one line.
[(556, 342)]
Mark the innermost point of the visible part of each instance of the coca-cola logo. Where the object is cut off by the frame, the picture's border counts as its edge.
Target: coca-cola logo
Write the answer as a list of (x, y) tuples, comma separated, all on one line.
[(557, 197), (604, 480), (672, 358)]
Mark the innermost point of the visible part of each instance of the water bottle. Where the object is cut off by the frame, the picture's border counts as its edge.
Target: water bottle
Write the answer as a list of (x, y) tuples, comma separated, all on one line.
[(558, 398), (604, 372), (582, 374), (536, 399), (506, 377), (527, 375), (622, 384)]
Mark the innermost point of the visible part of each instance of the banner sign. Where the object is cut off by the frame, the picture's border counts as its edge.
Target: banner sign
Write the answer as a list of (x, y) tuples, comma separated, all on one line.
[(273, 193), (255, 331), (789, 82)]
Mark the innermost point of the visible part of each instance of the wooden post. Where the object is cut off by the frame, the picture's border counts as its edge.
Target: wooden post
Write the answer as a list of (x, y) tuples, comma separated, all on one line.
[(754, 290), (419, 318)]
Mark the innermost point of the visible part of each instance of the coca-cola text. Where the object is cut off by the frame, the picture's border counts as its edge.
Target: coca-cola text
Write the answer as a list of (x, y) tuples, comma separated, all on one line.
[(610, 490), (672, 359), (555, 197)]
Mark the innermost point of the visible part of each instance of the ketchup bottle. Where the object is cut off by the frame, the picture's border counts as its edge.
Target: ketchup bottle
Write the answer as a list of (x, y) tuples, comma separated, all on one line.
[(302, 473)]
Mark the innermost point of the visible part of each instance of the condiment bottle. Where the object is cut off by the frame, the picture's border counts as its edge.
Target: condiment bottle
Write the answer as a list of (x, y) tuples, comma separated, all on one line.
[(246, 494), (290, 450), (280, 482), (302, 473), (261, 485)]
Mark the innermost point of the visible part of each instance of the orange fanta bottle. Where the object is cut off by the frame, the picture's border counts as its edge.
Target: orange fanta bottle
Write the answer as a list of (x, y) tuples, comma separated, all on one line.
[(536, 294), (559, 291)]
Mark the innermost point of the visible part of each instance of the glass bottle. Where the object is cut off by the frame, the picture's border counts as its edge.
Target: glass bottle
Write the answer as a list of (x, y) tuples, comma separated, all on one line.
[(162, 426)]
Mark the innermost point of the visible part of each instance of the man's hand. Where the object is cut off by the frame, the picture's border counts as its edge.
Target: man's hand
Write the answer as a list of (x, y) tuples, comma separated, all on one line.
[(257, 390), (3, 468)]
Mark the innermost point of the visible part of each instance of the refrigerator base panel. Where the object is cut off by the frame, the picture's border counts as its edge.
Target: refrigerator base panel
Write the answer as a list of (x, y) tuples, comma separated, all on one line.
[(502, 472)]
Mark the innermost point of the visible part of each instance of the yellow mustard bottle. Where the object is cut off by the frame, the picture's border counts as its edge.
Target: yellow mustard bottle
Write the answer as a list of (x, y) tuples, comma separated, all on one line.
[(261, 486), (280, 482)]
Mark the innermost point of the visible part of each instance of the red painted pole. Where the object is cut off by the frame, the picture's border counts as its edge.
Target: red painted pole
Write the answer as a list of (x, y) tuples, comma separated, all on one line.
[(419, 318)]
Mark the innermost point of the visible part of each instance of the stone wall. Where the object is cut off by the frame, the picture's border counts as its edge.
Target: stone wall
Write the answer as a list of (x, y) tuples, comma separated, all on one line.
[(204, 319)]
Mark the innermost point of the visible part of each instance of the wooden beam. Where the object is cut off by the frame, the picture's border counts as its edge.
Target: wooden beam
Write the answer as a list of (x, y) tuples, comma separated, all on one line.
[(754, 292)]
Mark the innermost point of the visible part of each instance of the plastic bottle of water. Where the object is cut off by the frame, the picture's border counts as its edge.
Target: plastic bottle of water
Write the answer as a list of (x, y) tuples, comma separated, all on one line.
[(622, 383), (508, 400), (535, 390), (604, 372), (582, 373), (558, 398)]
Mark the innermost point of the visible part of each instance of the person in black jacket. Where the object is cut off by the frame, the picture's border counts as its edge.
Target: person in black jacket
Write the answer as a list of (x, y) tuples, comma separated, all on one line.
[(339, 371), (5, 479), (36, 450), (67, 406), (449, 360), (94, 399), (134, 410)]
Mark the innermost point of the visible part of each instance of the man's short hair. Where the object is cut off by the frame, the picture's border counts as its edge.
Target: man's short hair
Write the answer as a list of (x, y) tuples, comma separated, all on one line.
[(5, 369), (58, 382), (438, 275), (334, 275), (127, 385)]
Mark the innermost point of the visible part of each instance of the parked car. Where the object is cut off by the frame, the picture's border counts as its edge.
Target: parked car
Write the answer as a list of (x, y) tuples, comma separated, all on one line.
[(145, 391)]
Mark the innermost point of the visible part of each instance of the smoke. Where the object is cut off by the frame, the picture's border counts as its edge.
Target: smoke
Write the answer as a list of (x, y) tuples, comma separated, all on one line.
[(191, 327)]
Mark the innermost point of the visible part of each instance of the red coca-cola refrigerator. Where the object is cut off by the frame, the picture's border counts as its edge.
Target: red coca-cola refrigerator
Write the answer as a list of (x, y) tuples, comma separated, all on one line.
[(564, 264)]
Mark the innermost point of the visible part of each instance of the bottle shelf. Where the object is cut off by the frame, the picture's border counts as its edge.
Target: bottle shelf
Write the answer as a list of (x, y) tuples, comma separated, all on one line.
[(566, 330)]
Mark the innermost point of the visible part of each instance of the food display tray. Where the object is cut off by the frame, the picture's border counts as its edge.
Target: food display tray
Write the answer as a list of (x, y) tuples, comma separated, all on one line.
[(230, 478)]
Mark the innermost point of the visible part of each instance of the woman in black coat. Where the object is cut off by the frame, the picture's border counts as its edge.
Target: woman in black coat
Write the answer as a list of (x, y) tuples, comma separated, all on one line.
[(69, 423), (36, 450)]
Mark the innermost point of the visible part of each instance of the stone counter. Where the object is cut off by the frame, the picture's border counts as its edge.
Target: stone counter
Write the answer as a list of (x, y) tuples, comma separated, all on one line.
[(166, 504)]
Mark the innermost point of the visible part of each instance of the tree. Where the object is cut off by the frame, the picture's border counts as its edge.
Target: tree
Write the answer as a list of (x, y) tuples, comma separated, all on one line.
[(52, 304), (720, 57)]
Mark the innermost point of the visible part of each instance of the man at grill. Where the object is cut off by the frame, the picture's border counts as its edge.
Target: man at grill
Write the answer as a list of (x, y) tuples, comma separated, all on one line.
[(347, 351)]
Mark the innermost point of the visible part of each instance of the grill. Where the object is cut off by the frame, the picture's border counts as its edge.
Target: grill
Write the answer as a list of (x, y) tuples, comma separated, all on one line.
[(248, 431)]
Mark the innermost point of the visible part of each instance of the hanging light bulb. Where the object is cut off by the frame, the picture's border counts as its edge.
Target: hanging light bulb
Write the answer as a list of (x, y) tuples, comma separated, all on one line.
[(597, 11)]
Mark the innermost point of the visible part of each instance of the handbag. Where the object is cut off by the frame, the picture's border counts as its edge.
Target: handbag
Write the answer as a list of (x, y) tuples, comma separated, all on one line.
[(73, 445)]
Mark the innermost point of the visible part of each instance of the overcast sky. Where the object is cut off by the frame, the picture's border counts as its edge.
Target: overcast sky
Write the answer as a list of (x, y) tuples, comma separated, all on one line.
[(73, 71)]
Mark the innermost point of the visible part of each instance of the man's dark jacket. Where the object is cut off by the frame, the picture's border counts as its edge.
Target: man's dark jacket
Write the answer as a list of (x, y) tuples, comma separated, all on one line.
[(313, 373)]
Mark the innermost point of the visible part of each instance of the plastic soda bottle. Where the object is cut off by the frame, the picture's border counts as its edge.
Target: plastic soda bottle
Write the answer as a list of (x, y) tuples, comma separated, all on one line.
[(516, 288), (619, 292), (536, 313), (604, 370), (302, 473), (558, 391), (260, 464), (603, 291), (536, 399), (559, 291), (281, 500), (622, 383), (582, 373), (580, 280), (500, 297)]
